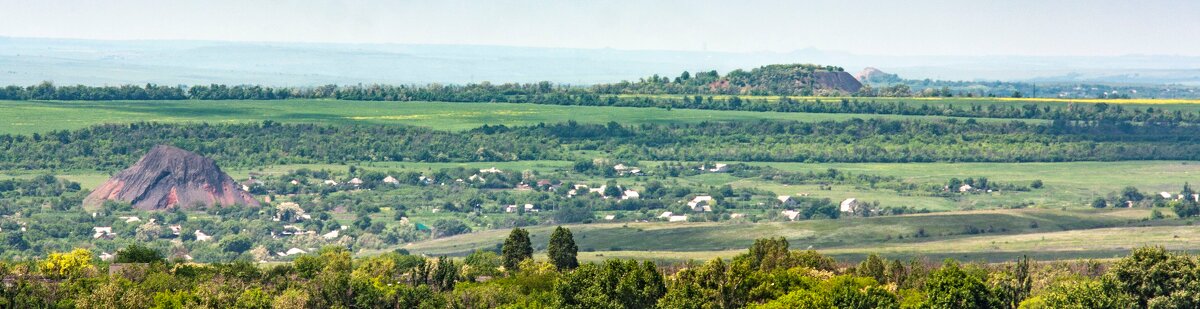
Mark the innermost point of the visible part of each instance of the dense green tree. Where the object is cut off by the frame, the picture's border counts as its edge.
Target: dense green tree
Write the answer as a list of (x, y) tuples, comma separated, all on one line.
[(135, 253), (1154, 275), (872, 267), (953, 287), (562, 250), (516, 248)]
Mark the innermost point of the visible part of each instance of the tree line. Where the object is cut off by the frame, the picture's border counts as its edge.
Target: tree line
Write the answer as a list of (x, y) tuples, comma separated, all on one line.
[(115, 146), (619, 94), (768, 275)]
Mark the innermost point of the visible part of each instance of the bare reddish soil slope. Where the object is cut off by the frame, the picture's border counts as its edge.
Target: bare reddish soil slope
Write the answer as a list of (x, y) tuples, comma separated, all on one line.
[(171, 177)]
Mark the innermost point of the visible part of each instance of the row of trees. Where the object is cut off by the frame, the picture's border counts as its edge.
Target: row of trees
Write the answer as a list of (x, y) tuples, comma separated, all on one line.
[(708, 92), (875, 140), (768, 275)]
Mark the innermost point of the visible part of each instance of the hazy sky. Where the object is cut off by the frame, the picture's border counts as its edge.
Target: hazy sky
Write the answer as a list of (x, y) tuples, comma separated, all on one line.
[(891, 27)]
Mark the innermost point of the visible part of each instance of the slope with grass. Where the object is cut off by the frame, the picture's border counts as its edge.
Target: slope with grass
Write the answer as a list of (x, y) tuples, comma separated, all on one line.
[(28, 117), (844, 237)]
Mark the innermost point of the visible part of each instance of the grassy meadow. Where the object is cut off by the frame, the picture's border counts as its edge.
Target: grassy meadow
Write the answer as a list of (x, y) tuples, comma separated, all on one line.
[(1006, 233), (27, 117)]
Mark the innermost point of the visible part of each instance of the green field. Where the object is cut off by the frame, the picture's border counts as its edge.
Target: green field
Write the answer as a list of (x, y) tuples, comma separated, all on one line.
[(1008, 233), (27, 117)]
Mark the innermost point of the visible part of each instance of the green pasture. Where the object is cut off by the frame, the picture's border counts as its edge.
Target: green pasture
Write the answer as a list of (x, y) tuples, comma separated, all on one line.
[(1019, 231), (27, 117)]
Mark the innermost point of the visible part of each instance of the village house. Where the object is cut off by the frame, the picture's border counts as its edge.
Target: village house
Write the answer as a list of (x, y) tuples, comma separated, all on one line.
[(492, 170), (665, 214), (105, 232), (391, 180), (530, 208), (630, 194), (701, 203), (791, 214), (599, 190), (510, 208), (610, 217), (716, 168), (356, 182), (331, 235), (682, 218), (201, 236), (965, 188), (786, 200), (331, 182), (849, 205)]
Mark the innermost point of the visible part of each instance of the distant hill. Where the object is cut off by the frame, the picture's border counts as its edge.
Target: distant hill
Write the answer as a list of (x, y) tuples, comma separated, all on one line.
[(775, 79), (171, 177)]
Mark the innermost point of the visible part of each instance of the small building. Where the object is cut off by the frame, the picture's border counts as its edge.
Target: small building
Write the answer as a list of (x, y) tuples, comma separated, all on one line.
[(530, 208), (791, 214), (665, 214), (630, 194), (331, 182), (331, 235), (294, 251), (105, 232), (391, 180), (849, 205), (716, 168), (356, 182), (786, 200), (1165, 195), (105, 256), (510, 208), (965, 188), (682, 218), (201, 236), (610, 217), (490, 170), (701, 203)]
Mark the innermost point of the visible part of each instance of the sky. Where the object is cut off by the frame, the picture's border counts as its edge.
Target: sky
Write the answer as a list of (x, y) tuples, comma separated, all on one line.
[(874, 27)]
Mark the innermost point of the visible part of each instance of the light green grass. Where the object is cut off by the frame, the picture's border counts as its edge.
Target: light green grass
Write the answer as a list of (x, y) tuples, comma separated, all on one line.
[(1067, 184), (26, 117), (657, 240)]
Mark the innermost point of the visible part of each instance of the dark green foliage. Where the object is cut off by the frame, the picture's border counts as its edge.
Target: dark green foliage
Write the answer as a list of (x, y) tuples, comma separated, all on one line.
[(1147, 278), (138, 254), (1153, 275), (562, 250), (449, 227), (952, 287), (872, 267), (613, 284), (516, 248)]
